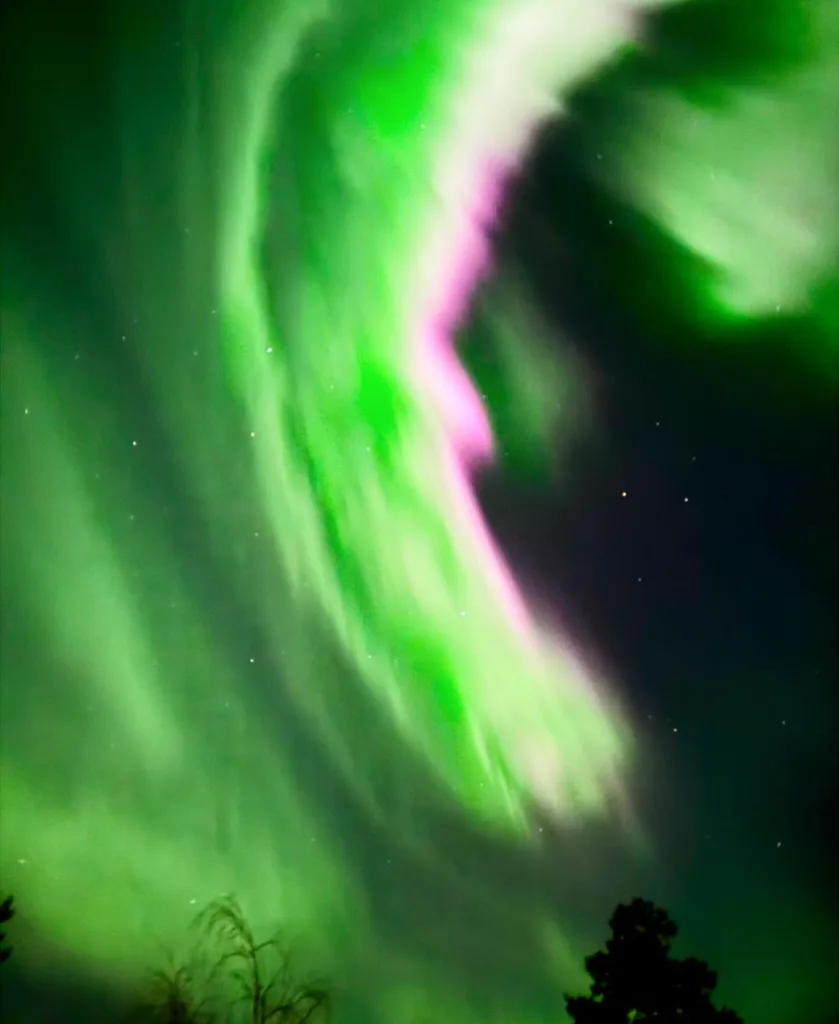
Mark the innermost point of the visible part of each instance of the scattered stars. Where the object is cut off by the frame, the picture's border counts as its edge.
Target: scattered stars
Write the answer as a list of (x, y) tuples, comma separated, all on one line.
[(653, 505)]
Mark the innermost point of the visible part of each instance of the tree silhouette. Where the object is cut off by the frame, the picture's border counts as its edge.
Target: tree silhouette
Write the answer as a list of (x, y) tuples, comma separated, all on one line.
[(635, 979), (231, 976), (264, 972), (172, 998), (7, 912)]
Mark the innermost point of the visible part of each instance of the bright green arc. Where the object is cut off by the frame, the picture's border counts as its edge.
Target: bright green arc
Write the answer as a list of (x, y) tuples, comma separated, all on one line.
[(309, 435), (280, 566)]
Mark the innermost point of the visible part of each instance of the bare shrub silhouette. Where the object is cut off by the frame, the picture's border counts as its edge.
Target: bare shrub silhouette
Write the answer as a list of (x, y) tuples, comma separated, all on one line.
[(232, 978), (264, 973)]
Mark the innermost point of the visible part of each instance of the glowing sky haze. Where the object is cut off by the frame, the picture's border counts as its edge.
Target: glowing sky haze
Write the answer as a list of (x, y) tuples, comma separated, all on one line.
[(255, 625)]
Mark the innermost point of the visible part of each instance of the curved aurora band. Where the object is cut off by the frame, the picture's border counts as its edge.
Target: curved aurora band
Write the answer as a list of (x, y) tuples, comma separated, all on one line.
[(271, 632)]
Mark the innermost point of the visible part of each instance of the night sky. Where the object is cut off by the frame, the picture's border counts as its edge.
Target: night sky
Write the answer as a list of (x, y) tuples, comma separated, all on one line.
[(697, 543), (686, 539)]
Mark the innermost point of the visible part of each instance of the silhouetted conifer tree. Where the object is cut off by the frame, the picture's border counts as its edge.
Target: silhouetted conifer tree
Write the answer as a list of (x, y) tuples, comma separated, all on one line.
[(635, 979), (7, 912)]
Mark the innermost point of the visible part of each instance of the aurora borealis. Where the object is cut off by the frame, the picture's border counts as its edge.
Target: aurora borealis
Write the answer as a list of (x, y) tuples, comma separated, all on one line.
[(257, 635)]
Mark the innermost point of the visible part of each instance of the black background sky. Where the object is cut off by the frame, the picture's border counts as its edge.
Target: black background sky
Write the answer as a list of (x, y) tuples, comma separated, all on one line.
[(712, 585)]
